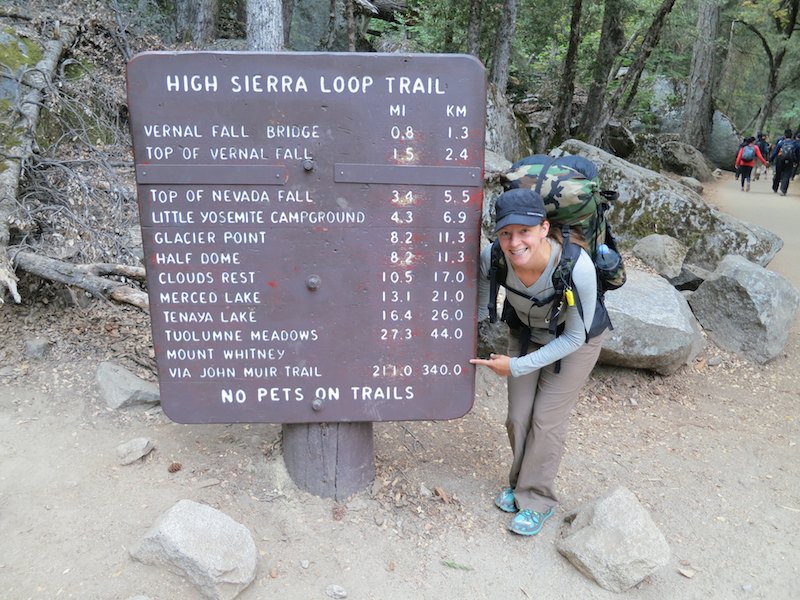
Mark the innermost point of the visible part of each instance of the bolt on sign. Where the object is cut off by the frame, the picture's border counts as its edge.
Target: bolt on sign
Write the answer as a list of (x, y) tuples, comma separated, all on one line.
[(311, 228)]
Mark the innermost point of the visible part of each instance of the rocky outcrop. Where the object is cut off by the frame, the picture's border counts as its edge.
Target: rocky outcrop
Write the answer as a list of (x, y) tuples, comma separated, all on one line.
[(723, 144), (654, 328), (746, 309), (651, 203)]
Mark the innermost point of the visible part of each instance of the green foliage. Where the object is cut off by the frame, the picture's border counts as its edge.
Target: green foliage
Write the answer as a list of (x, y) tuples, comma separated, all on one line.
[(17, 52)]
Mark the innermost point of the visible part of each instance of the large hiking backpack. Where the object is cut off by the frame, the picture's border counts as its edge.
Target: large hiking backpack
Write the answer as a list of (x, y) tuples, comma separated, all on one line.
[(574, 203), (787, 152), (572, 198)]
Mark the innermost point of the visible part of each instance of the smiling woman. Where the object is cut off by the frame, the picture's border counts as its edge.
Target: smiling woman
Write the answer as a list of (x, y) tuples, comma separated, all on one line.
[(549, 356)]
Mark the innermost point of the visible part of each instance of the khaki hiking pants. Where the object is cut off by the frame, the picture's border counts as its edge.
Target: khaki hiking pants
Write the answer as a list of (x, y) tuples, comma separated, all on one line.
[(539, 405)]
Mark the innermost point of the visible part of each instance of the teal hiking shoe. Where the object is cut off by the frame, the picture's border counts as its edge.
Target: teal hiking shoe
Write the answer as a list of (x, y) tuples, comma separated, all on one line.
[(530, 522), (505, 500)]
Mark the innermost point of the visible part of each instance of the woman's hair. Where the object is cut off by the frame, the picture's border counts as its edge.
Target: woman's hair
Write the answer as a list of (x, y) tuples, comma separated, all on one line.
[(575, 236)]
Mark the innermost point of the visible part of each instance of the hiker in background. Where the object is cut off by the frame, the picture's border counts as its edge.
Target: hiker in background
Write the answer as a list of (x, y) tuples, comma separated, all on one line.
[(783, 159), (736, 167), (545, 378), (762, 141), (746, 160), (797, 153)]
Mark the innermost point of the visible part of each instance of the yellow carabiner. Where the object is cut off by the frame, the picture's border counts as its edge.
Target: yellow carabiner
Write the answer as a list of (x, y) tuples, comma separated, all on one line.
[(570, 297)]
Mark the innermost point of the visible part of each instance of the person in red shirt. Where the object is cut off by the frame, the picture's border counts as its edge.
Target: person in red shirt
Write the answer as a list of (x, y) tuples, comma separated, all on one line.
[(746, 160)]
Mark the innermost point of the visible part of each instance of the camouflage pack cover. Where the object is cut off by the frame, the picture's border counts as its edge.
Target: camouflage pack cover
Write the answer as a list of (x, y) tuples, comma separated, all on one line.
[(569, 187)]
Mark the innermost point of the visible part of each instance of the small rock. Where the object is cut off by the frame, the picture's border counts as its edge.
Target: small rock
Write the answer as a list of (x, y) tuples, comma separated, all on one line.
[(335, 591), (36, 347), (133, 450), (305, 564), (714, 361), (424, 491), (747, 587), (688, 573)]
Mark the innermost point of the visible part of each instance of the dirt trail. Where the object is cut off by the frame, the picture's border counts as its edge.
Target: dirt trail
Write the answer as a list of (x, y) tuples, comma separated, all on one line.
[(761, 206), (711, 452)]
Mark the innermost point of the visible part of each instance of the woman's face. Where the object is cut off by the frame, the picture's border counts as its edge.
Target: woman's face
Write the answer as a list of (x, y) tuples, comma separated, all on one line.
[(522, 243)]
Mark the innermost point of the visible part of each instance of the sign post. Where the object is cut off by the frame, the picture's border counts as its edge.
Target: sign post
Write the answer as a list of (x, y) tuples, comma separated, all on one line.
[(311, 226)]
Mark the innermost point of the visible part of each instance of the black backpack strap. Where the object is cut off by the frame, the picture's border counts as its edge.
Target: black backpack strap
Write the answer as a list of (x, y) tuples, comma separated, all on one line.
[(496, 273), (542, 173)]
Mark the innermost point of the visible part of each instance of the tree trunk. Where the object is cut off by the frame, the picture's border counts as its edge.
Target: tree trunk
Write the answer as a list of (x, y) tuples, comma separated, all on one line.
[(698, 108), (791, 9), (502, 51), (563, 113), (288, 11), (612, 39), (631, 78), (26, 112), (474, 32), (265, 25), (196, 21)]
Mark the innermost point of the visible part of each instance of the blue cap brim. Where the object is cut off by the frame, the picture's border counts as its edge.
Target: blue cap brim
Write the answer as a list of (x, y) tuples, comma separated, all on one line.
[(515, 219)]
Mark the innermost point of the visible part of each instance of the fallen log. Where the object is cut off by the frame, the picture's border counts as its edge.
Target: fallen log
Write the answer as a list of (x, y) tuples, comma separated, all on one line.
[(90, 277)]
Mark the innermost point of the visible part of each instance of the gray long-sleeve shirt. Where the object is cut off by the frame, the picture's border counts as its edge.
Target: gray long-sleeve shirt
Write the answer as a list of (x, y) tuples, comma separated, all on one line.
[(584, 281)]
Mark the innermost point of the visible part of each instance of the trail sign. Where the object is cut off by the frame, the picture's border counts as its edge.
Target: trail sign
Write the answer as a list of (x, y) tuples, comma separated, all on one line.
[(311, 227)]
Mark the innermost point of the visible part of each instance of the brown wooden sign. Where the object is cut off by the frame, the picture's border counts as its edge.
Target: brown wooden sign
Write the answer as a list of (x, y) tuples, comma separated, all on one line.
[(311, 228)]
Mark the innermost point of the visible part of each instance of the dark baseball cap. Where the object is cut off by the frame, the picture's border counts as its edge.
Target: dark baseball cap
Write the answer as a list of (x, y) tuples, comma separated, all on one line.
[(521, 206)]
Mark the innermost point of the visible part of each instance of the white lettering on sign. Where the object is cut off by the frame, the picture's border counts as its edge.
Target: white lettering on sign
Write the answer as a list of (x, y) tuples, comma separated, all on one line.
[(160, 217), (317, 217), (175, 316), (165, 130), (225, 217), (237, 277), (260, 372), (242, 297), (218, 373), (188, 297), (269, 84), (232, 153), (192, 83), (295, 371), (183, 277), (184, 237), (414, 85), (229, 131), (253, 353), (242, 316), (173, 258), (389, 392), (205, 335), (292, 131), (280, 394), (284, 335), (292, 154), (341, 84), (219, 258), (294, 196), (244, 237), (240, 195), (190, 354)]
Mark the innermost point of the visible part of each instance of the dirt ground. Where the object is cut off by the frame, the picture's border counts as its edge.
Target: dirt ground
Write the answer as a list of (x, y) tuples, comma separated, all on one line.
[(711, 452)]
